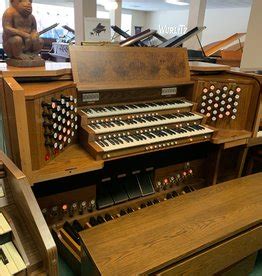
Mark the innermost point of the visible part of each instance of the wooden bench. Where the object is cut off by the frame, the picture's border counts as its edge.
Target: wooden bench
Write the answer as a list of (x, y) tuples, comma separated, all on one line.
[(200, 233)]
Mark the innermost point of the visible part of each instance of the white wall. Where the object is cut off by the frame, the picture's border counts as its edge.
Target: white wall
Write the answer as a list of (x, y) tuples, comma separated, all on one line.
[(222, 23), (4, 5), (252, 58), (138, 19), (164, 21)]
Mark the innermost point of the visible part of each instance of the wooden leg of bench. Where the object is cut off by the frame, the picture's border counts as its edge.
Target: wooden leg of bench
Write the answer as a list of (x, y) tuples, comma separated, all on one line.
[(241, 161), (214, 161)]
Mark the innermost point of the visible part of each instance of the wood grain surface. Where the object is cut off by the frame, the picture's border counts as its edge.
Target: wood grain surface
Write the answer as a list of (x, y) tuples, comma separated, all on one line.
[(114, 67), (161, 235), (50, 69), (207, 67), (31, 231)]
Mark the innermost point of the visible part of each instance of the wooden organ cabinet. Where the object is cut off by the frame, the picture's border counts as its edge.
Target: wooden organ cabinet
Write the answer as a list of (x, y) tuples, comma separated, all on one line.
[(26, 246), (116, 156)]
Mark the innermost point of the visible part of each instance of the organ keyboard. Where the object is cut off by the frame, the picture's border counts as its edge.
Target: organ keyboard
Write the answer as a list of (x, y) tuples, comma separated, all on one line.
[(10, 260), (135, 108), (118, 130)]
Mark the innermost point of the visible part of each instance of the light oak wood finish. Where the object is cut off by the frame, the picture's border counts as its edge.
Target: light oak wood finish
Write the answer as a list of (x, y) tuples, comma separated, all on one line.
[(73, 160), (162, 235), (51, 69), (243, 126), (32, 234), (18, 124), (229, 252), (100, 68), (22, 113), (199, 66), (222, 44)]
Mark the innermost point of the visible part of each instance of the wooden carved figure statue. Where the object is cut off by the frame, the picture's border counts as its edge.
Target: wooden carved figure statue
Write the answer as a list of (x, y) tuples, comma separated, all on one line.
[(20, 37)]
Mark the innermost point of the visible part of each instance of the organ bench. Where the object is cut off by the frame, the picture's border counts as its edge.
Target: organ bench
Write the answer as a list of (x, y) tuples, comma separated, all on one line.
[(200, 233)]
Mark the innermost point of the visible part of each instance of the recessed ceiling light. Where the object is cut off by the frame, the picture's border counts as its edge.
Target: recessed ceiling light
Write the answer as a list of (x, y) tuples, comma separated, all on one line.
[(177, 2)]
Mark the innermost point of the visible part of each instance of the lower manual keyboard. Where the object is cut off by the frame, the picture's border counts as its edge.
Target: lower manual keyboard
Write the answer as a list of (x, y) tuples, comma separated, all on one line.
[(148, 140), (10, 260), (147, 121)]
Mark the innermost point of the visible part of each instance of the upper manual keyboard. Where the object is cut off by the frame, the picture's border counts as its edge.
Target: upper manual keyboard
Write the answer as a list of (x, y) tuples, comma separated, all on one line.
[(134, 108)]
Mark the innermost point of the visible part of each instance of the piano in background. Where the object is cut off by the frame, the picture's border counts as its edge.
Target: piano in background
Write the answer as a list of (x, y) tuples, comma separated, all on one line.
[(224, 54), (143, 40)]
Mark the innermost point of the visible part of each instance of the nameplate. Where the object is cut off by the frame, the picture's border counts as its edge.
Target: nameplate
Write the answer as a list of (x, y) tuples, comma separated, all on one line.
[(90, 97), (169, 91)]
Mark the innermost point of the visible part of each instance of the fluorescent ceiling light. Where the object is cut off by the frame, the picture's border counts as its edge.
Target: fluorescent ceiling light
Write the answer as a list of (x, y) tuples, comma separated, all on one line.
[(177, 2)]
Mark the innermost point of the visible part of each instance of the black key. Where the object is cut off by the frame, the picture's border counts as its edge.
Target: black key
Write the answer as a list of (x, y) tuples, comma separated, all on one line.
[(105, 143), (110, 108), (169, 131), (100, 143), (111, 141), (156, 201), (168, 196), (108, 217), (174, 194), (149, 203), (134, 136), (187, 128), (122, 212), (71, 232), (78, 227), (125, 139), (100, 220), (130, 210), (3, 257), (187, 189), (119, 140), (93, 126), (117, 123), (148, 135), (142, 206), (93, 222)]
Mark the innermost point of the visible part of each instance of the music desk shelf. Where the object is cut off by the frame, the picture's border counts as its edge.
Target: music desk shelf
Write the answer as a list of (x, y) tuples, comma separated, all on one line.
[(73, 160)]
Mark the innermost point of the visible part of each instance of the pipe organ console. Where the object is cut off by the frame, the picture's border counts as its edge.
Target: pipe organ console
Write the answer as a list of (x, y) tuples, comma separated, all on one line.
[(135, 133)]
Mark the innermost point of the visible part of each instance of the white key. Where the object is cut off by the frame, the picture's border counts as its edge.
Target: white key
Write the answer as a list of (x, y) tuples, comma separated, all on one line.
[(2, 194), (4, 226), (145, 124), (108, 112), (154, 140), (12, 268), (17, 259), (3, 270)]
